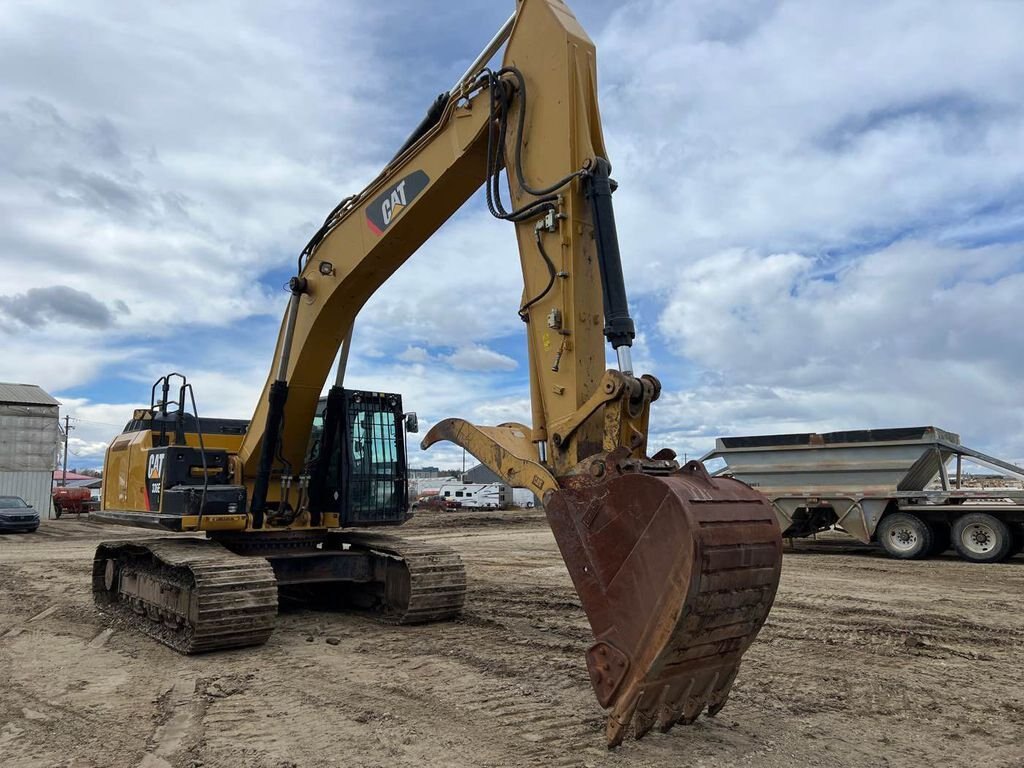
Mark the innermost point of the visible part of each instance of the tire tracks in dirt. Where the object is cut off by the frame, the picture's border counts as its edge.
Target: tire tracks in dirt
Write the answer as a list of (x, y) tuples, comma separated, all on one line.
[(864, 662)]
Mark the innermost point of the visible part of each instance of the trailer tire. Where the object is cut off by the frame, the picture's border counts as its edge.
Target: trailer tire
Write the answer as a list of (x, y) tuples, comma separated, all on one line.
[(942, 538), (982, 538), (905, 536)]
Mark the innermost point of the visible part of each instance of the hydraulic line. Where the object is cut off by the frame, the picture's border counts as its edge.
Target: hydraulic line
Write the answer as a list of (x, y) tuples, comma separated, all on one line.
[(552, 274)]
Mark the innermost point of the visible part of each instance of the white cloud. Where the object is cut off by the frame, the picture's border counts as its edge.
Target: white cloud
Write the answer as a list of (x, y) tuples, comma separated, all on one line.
[(172, 193), (807, 127), (414, 354), (479, 358), (780, 317), (86, 452), (57, 358)]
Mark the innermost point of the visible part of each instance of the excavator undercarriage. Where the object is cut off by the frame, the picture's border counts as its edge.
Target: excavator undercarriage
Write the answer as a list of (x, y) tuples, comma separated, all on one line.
[(190, 594), (195, 595)]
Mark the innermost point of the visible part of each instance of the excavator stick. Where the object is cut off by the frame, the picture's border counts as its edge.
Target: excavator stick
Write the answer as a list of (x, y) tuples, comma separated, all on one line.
[(676, 574)]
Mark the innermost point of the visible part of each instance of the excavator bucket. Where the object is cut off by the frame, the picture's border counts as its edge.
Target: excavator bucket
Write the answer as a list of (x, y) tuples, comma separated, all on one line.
[(676, 573)]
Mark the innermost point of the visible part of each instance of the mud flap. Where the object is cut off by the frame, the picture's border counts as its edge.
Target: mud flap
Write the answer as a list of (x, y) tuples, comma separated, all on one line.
[(676, 574)]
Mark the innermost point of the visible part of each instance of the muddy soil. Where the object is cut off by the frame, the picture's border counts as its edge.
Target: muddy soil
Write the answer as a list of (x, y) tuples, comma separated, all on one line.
[(864, 662)]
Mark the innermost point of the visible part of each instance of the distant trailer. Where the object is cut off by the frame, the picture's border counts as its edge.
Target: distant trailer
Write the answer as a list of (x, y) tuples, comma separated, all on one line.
[(488, 495), (901, 488), (76, 500)]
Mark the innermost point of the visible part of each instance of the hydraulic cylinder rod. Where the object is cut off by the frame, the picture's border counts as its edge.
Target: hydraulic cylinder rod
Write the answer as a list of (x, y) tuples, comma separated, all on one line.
[(489, 50), (618, 325)]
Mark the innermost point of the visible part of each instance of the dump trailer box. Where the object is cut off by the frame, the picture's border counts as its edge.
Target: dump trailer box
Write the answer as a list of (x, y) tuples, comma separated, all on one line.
[(854, 479)]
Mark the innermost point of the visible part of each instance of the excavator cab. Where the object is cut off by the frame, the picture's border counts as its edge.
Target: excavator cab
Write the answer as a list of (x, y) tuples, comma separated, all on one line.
[(357, 458)]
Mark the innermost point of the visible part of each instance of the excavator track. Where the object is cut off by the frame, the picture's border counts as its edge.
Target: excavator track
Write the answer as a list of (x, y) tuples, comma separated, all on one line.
[(190, 594), (423, 582)]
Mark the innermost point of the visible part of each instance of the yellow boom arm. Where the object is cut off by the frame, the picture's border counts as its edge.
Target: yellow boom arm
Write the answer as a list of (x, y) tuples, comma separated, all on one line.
[(376, 231)]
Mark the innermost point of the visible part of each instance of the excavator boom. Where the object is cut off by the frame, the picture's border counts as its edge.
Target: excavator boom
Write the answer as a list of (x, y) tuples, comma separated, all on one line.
[(676, 570)]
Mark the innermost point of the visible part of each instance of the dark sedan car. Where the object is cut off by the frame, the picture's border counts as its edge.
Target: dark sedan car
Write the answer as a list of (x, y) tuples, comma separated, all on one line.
[(16, 515)]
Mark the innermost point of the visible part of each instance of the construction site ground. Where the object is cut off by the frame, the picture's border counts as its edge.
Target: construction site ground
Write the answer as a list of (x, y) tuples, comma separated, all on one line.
[(864, 661)]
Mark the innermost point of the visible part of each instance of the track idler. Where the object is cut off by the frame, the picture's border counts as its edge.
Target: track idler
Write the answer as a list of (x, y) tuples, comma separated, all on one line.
[(676, 572)]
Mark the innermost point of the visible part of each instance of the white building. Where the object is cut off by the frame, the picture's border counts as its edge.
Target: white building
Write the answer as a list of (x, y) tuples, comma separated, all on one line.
[(28, 444)]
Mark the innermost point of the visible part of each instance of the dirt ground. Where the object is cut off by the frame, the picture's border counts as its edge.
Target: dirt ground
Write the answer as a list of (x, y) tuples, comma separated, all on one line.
[(864, 662)]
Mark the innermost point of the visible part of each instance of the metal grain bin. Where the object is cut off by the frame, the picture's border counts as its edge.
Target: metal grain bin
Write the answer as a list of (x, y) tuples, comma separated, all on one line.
[(29, 437)]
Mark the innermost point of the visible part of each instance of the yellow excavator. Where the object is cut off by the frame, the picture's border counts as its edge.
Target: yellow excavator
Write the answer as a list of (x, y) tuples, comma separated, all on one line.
[(675, 570)]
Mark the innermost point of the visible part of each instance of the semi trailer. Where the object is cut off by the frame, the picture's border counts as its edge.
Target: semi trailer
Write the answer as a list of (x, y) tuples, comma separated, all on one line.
[(904, 489)]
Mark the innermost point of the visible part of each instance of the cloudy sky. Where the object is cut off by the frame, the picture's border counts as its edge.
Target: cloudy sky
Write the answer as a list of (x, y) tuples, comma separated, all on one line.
[(821, 207)]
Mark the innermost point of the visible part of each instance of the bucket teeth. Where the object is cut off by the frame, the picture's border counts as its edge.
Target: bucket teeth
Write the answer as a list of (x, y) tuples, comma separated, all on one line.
[(721, 693), (619, 720), (646, 715), (668, 718), (672, 708), (667, 705), (691, 710)]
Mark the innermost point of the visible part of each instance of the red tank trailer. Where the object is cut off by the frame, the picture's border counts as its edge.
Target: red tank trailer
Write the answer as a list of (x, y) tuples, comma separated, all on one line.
[(71, 499)]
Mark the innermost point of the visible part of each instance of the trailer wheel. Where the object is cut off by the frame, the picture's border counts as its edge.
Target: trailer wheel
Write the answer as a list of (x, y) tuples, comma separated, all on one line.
[(905, 536), (982, 538)]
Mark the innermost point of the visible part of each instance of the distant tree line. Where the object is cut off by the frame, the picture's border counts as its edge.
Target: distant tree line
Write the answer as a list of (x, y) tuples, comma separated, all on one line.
[(88, 471)]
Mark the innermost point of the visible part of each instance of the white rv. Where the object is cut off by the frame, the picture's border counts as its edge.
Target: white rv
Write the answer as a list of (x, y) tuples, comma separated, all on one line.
[(492, 495)]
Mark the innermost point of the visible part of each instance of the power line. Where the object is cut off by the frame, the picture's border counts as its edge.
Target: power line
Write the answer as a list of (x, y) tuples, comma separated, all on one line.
[(101, 423)]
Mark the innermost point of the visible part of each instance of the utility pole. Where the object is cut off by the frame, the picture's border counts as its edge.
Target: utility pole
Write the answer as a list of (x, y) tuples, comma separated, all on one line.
[(67, 432)]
